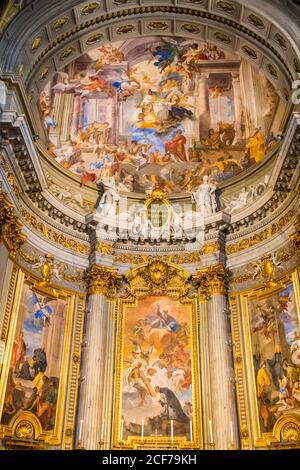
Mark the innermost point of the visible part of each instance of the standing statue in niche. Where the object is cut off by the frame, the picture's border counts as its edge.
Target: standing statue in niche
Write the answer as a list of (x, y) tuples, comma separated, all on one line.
[(205, 197), (108, 203)]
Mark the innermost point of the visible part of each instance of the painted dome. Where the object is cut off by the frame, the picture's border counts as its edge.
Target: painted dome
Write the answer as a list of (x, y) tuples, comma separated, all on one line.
[(159, 112)]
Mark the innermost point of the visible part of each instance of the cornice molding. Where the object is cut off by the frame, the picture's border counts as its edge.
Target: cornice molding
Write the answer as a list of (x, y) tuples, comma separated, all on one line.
[(50, 41)]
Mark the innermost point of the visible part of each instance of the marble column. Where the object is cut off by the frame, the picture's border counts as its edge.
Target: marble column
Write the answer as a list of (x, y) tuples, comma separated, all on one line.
[(237, 100), (222, 404), (203, 105), (97, 362)]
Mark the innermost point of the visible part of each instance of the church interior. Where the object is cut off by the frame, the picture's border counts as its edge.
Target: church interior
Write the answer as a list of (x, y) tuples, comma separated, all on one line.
[(149, 225)]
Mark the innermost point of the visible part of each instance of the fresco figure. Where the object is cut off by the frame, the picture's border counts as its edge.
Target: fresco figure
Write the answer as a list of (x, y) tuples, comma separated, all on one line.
[(177, 146), (256, 146), (18, 354), (171, 406), (275, 339)]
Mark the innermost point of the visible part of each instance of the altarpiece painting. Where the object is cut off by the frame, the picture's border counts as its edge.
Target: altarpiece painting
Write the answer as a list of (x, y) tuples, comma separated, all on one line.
[(275, 336), (35, 375), (157, 385)]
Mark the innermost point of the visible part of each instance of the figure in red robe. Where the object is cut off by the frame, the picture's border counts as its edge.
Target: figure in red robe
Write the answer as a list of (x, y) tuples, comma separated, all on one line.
[(177, 145), (18, 353)]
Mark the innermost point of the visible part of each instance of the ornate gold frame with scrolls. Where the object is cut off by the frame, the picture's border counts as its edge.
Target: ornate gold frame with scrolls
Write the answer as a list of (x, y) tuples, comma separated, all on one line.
[(286, 431), (158, 279), (25, 430)]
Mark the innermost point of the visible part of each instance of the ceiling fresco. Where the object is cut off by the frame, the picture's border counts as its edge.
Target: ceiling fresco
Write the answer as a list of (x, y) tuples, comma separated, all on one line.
[(158, 111)]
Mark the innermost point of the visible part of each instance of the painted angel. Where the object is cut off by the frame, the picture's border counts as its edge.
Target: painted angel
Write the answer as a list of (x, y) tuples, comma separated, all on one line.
[(139, 354), (42, 311), (126, 86), (264, 322), (166, 54)]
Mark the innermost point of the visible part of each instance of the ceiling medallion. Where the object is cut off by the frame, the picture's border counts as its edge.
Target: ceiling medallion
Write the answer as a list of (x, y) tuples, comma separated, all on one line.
[(191, 28), (157, 25), (59, 23), (94, 38), (44, 73), (256, 21), (196, 1), (272, 70), (250, 52), (126, 28), (36, 43), (226, 6), (281, 41), (90, 8), (222, 37), (66, 53)]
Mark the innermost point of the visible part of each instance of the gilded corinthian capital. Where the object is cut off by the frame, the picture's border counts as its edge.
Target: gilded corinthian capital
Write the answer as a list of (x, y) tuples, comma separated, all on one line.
[(103, 280), (10, 226), (212, 280)]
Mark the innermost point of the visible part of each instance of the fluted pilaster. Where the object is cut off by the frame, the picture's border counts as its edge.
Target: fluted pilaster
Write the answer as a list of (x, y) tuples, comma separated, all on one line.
[(204, 377), (98, 359), (220, 406), (222, 388)]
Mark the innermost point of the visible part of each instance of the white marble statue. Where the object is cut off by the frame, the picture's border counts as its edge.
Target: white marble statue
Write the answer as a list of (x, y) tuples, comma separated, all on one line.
[(205, 197), (177, 223), (140, 225), (108, 202), (246, 196), (238, 202)]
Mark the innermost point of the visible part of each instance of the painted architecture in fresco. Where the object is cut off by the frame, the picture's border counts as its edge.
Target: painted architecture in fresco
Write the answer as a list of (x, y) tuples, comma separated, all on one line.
[(34, 373), (159, 112), (157, 369), (276, 353)]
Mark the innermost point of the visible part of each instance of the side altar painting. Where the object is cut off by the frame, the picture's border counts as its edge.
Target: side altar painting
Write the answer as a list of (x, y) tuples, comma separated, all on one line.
[(275, 335), (158, 111), (35, 364), (157, 370)]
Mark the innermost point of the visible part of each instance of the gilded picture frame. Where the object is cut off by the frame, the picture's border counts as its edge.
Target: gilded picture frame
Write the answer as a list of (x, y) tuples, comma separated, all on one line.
[(140, 290), (25, 429), (286, 430)]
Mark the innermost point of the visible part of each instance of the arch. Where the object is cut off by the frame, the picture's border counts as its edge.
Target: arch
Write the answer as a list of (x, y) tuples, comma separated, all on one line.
[(50, 43)]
